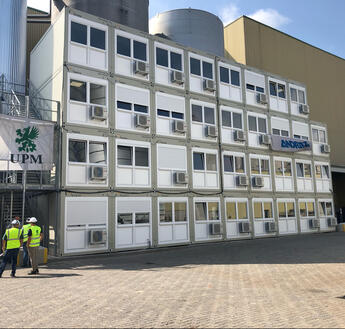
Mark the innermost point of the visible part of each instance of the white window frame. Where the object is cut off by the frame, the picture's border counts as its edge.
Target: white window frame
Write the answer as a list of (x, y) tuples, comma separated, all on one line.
[(304, 162), (232, 111), (283, 161), (230, 68), (207, 201), (236, 201), (320, 202), (169, 49), (306, 201), (262, 201), (255, 86), (295, 125), (201, 59), (260, 157), (318, 128), (205, 152), (173, 201), (286, 121), (257, 116), (285, 201), (298, 88), (277, 82)]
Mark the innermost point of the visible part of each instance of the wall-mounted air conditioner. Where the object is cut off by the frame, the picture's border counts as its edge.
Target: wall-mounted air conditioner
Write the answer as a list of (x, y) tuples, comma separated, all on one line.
[(258, 181), (177, 77), (209, 85), (179, 126), (270, 227), (242, 180), (303, 109), (180, 178), (98, 113), (142, 121), (244, 227), (98, 173), (261, 98), (97, 237), (211, 131), (140, 67), (314, 223), (215, 229), (325, 148), (265, 139), (239, 136), (332, 221)]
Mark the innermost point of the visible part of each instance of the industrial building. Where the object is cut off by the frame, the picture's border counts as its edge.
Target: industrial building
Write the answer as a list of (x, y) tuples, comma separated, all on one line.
[(160, 142)]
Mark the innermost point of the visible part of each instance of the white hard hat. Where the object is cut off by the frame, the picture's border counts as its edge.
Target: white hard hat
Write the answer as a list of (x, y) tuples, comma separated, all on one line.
[(32, 220), (15, 222)]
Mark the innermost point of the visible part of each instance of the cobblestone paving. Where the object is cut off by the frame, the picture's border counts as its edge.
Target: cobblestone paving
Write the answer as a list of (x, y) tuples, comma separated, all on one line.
[(283, 282)]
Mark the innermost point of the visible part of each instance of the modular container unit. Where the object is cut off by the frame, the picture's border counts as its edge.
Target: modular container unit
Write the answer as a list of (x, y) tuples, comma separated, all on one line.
[(164, 145)]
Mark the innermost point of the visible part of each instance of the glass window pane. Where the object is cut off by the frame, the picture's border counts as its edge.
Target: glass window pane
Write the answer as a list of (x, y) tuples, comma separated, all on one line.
[(97, 94), (301, 97), (322, 209), (177, 115), (97, 152), (235, 78), (303, 209), (260, 89), (279, 168), (265, 167), (281, 210), (213, 213), (254, 166), (239, 165), (290, 207), (211, 162), (310, 207), (325, 171), (268, 210), (209, 115), (262, 125), (250, 87), (200, 211), (299, 167), (285, 133), (273, 88), (257, 210), (252, 123), (228, 163), (77, 91), (198, 161), (293, 93), (195, 66), (196, 113), (322, 136), (165, 212), (315, 133), (76, 151), (180, 211), (140, 108), (318, 171), (287, 169), (163, 113), (78, 33), (281, 91), (275, 131), (231, 210), (142, 218), (124, 219), (226, 119), (224, 74), (124, 155), (176, 61), (242, 210), (124, 105), (139, 50), (329, 211), (162, 57), (97, 38), (123, 46), (237, 120), (207, 71), (142, 156), (307, 170)]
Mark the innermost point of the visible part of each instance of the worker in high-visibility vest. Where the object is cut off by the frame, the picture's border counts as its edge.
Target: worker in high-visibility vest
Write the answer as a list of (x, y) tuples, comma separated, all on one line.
[(26, 259), (11, 242), (34, 240)]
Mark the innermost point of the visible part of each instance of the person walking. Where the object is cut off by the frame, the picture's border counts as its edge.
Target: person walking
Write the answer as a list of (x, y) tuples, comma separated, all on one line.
[(11, 242), (34, 240), (26, 260)]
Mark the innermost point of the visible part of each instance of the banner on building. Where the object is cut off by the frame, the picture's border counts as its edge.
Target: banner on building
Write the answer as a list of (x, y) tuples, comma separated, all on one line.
[(26, 144), (286, 144)]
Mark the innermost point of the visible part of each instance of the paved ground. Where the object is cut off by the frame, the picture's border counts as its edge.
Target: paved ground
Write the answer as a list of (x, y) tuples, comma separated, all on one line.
[(283, 282)]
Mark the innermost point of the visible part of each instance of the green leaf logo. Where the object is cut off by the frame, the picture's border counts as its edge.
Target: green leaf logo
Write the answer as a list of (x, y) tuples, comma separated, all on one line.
[(26, 137)]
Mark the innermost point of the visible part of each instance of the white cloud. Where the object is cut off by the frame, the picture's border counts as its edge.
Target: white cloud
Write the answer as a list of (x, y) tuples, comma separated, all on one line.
[(229, 13), (270, 17)]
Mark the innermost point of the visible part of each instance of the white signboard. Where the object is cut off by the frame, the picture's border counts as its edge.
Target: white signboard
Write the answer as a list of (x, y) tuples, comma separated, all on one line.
[(26, 144)]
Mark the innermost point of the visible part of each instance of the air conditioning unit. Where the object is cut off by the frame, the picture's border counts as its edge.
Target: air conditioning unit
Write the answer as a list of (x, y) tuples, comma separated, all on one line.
[(141, 68), (244, 227), (98, 113), (258, 181), (142, 121), (239, 136), (304, 109), (98, 173), (261, 98), (97, 237), (325, 148), (332, 221), (216, 229), (270, 227), (209, 85), (180, 177), (177, 77), (265, 139), (211, 131), (242, 180), (179, 126), (314, 223)]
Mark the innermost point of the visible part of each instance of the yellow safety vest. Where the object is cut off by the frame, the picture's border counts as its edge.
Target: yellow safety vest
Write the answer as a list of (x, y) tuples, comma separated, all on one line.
[(26, 229), (13, 238), (36, 236)]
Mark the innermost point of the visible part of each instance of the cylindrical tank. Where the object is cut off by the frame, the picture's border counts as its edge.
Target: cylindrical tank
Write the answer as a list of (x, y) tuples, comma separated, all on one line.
[(13, 41), (192, 28), (133, 13)]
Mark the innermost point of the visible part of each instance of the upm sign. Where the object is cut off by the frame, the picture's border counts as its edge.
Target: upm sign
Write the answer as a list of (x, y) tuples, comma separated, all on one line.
[(286, 144)]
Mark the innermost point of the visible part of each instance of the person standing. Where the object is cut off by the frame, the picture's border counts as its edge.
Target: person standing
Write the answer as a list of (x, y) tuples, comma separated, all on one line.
[(34, 240), (11, 242), (26, 260)]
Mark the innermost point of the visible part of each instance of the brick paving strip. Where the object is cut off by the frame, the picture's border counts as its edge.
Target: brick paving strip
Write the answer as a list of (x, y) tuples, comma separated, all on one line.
[(282, 282)]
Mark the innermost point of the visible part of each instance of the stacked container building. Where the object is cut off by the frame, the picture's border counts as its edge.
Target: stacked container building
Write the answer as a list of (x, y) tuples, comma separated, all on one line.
[(163, 144)]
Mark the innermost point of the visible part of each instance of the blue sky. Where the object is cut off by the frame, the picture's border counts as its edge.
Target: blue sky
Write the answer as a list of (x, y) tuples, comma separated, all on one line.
[(318, 22)]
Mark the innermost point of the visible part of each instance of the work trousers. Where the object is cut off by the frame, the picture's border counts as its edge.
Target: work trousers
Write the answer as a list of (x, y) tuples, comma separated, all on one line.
[(10, 256), (33, 252), (26, 260)]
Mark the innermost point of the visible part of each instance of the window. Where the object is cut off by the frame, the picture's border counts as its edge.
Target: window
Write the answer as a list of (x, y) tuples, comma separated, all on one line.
[(199, 161), (259, 166), (170, 114), (142, 218), (303, 170), (283, 168), (125, 155), (234, 164), (97, 94), (257, 124), (307, 208), (77, 151), (176, 61), (286, 209), (206, 211), (297, 95), (236, 210), (322, 171), (83, 151), (125, 219), (319, 135), (203, 114), (263, 209), (277, 89), (207, 70), (170, 212), (231, 119), (162, 57), (229, 76), (280, 132), (97, 38), (123, 46), (139, 50), (79, 33), (255, 88), (196, 65), (131, 48), (325, 208), (97, 152), (132, 107), (224, 74), (77, 91)]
